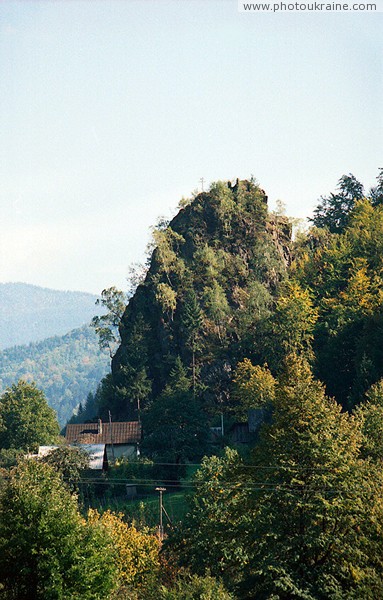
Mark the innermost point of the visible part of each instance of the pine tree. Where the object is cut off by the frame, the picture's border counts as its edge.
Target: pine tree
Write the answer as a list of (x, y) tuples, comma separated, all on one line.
[(333, 212), (192, 321)]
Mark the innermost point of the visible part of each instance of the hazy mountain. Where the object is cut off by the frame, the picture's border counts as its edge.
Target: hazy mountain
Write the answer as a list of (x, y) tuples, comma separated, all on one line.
[(29, 313), (66, 368)]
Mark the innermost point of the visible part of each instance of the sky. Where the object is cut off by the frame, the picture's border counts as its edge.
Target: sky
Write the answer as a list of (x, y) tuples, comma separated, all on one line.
[(111, 111)]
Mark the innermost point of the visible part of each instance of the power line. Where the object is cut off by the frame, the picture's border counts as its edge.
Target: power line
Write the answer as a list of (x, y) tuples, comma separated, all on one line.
[(238, 486), (238, 466)]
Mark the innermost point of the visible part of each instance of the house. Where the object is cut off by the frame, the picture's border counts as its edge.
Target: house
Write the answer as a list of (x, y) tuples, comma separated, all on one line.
[(247, 432), (98, 460), (120, 439), (239, 433)]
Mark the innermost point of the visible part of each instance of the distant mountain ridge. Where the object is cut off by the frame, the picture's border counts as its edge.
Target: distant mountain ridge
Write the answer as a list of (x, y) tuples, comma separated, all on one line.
[(29, 313), (67, 368)]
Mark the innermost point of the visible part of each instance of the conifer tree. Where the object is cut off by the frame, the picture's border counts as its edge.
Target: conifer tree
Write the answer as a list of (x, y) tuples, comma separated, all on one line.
[(333, 211), (175, 428), (192, 320)]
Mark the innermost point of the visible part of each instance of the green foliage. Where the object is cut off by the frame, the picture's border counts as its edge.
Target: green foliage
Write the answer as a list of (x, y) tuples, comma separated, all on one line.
[(303, 519), (290, 327), (85, 413), (217, 309), (175, 426), (253, 387), (192, 323), (333, 212), (316, 480), (106, 325), (26, 420), (9, 457), (210, 536), (166, 298), (66, 368), (169, 264), (69, 462), (47, 551), (343, 274), (212, 277), (376, 193), (195, 587), (370, 413)]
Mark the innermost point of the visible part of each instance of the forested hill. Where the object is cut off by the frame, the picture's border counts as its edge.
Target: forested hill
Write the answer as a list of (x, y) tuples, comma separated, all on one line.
[(29, 313), (225, 283), (214, 271), (66, 368)]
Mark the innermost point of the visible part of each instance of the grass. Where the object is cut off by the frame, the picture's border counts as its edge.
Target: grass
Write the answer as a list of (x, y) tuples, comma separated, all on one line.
[(109, 493), (144, 511)]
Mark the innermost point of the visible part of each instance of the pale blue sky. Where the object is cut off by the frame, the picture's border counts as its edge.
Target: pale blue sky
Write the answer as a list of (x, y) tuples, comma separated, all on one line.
[(111, 111)]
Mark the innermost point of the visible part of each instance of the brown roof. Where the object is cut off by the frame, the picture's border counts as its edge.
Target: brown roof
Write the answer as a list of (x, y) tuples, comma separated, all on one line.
[(128, 432)]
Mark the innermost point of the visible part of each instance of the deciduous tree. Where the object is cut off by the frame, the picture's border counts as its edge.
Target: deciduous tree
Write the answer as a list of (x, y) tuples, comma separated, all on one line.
[(136, 552), (47, 550), (26, 420), (68, 462), (106, 325)]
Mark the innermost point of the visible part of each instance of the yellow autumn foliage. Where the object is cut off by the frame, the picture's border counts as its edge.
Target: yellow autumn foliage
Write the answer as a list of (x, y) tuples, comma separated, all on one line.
[(254, 386), (137, 552)]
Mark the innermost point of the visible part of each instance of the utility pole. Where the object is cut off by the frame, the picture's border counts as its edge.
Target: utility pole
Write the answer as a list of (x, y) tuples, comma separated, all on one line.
[(202, 180), (161, 527), (138, 410), (111, 436)]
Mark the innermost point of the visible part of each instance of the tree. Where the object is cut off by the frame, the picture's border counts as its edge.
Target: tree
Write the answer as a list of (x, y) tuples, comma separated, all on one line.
[(253, 304), (343, 274), (175, 427), (192, 321), (304, 517), (137, 555), (327, 543), (253, 387), (290, 327), (191, 587), (68, 462), (106, 326), (211, 534), (166, 298), (333, 212), (26, 420), (126, 391), (167, 243), (47, 550), (376, 193), (217, 308), (370, 413)]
